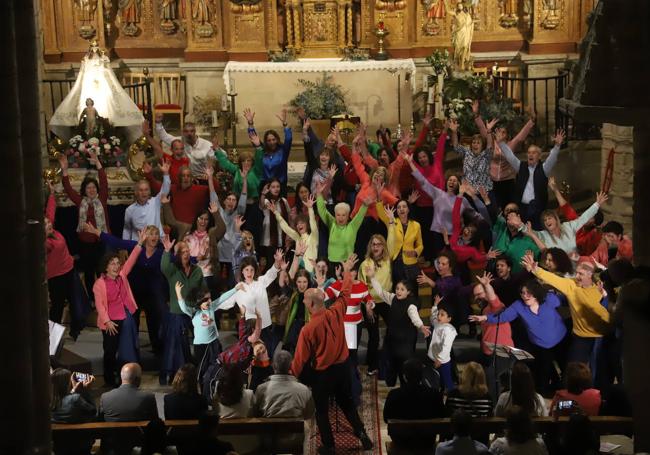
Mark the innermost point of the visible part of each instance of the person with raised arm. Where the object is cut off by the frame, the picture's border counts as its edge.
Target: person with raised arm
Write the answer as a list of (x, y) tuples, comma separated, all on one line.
[(275, 153), (145, 211), (403, 323), (197, 149), (531, 183), (92, 202), (591, 320), (176, 351), (63, 283), (115, 308), (272, 203), (176, 160), (322, 360), (502, 174)]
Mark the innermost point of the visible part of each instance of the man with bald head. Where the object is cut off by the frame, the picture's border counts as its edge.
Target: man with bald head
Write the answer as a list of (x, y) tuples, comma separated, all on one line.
[(322, 360), (128, 403)]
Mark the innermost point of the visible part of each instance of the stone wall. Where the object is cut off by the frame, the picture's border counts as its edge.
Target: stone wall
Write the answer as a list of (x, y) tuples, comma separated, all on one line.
[(620, 203)]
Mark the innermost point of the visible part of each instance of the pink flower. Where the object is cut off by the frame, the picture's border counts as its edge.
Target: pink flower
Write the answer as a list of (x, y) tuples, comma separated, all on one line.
[(114, 153), (76, 153), (118, 150), (85, 142), (104, 140), (117, 164), (75, 164)]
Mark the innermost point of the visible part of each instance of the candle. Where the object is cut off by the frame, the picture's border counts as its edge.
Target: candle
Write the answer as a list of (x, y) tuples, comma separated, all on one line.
[(232, 87), (425, 83), (224, 102), (431, 98), (215, 119)]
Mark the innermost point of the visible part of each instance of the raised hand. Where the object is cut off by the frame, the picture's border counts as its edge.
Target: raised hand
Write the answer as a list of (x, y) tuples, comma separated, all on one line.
[(319, 277), (142, 236), (598, 264), (278, 257), (338, 270), (215, 143), (485, 279), (282, 116), (332, 171), (265, 190), (167, 244), (146, 167), (209, 170), (179, 288), (559, 137), (270, 206), (165, 167), (491, 124), (428, 117), (213, 207), (254, 138), (445, 235), (528, 262), (63, 162), (415, 194), (306, 125), (301, 248), (484, 195), (164, 199), (249, 115), (300, 112), (475, 107), (601, 198), (423, 279), (437, 299), (349, 263), (553, 185), (453, 125), (477, 318), (390, 212), (239, 222), (369, 271), (309, 203), (531, 113), (493, 254), (370, 199)]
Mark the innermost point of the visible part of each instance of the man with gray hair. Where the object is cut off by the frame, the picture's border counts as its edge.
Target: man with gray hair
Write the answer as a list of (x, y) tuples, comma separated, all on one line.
[(282, 395)]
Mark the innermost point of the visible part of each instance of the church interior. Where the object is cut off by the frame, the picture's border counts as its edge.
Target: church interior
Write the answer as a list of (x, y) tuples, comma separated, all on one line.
[(326, 226)]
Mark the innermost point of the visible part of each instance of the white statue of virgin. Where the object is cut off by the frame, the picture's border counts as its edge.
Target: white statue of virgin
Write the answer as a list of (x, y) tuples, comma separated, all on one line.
[(97, 82)]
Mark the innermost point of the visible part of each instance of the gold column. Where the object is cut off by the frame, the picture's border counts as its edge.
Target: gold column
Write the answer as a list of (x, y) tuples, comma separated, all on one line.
[(290, 42), (341, 27), (349, 23), (297, 22)]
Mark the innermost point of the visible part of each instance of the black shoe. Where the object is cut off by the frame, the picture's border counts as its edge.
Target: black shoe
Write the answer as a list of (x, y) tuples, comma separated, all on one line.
[(325, 450), (366, 443)]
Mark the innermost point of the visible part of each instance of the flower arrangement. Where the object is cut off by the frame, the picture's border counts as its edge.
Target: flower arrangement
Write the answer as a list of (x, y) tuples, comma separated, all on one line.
[(321, 99), (107, 149), (440, 62)]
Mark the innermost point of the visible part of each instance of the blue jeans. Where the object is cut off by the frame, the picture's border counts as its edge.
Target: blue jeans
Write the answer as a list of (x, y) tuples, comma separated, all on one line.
[(445, 376)]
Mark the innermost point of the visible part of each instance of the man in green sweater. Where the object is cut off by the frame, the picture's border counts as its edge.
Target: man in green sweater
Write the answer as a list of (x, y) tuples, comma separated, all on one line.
[(510, 238), (342, 230)]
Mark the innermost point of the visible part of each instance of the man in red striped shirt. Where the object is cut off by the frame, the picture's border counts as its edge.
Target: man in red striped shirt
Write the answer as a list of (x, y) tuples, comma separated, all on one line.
[(322, 354)]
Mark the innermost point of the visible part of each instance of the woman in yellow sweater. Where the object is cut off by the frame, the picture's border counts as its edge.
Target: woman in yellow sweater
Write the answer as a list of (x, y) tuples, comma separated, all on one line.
[(377, 259), (404, 242), (590, 318)]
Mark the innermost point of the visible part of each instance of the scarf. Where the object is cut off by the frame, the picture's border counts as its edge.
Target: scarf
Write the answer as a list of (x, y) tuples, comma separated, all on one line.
[(98, 209), (274, 229)]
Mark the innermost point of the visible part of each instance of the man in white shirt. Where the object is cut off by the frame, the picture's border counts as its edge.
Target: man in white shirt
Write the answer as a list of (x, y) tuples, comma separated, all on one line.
[(145, 211), (197, 149)]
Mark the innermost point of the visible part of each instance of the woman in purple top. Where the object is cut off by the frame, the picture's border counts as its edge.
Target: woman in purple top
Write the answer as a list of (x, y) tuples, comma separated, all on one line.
[(148, 284), (537, 308), (448, 286)]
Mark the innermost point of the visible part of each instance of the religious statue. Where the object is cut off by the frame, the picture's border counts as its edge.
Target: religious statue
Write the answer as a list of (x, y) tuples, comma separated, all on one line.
[(473, 8), (201, 18), (86, 9), (549, 12), (90, 123), (508, 13), (130, 11), (168, 16), (435, 9), (462, 32)]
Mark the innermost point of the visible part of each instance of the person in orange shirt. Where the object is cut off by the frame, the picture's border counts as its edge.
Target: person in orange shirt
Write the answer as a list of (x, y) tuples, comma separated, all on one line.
[(322, 359)]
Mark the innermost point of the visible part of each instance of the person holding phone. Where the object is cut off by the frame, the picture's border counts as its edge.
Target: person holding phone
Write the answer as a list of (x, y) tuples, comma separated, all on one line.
[(71, 404)]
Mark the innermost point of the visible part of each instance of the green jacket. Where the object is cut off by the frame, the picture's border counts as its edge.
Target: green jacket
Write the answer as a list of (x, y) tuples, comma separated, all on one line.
[(253, 177), (342, 238), (513, 247), (295, 300), (190, 283)]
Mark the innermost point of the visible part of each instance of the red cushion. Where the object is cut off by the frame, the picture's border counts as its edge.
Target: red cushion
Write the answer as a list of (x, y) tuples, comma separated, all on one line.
[(167, 106)]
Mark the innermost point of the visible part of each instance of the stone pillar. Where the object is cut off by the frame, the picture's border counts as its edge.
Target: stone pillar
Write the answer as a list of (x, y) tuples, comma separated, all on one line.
[(641, 205), (621, 195)]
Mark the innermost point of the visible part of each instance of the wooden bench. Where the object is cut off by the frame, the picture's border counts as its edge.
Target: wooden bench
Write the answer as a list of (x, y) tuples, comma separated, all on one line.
[(413, 429), (179, 430)]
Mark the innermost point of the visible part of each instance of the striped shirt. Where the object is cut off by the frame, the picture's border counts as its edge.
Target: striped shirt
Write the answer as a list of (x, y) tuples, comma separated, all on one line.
[(477, 407), (358, 294)]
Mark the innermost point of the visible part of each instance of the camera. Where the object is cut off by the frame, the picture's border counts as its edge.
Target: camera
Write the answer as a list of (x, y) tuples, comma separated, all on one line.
[(80, 377), (565, 404)]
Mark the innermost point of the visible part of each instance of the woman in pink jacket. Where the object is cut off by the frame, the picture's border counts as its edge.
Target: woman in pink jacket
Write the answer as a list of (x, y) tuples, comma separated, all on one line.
[(115, 308)]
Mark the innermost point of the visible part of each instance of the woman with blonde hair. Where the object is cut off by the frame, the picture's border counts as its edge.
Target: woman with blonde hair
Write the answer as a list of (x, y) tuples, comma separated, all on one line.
[(377, 260), (472, 394)]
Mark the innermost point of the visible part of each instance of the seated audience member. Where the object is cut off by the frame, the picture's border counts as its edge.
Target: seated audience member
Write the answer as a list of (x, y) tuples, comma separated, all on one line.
[(520, 438), (185, 402), (232, 399), (579, 389), (206, 441), (282, 395), (614, 245), (580, 437), (128, 403), (400, 405), (70, 404), (462, 443), (154, 440), (521, 394), (471, 395)]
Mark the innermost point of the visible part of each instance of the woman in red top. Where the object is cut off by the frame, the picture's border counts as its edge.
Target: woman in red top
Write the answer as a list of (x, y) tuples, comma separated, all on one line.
[(115, 307), (578, 389), (63, 282), (92, 203)]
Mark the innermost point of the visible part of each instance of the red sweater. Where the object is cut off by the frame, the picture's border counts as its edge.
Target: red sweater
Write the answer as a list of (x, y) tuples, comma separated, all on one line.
[(405, 178), (175, 165), (358, 294), (589, 400), (186, 203), (489, 330), (322, 340), (76, 198), (475, 258), (58, 259), (434, 173)]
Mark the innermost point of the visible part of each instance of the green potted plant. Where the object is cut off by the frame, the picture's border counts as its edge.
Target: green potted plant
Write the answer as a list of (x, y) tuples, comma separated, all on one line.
[(321, 100)]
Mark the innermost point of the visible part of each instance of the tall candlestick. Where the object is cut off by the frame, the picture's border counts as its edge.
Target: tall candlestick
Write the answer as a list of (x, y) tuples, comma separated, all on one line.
[(224, 102), (215, 119), (232, 87)]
